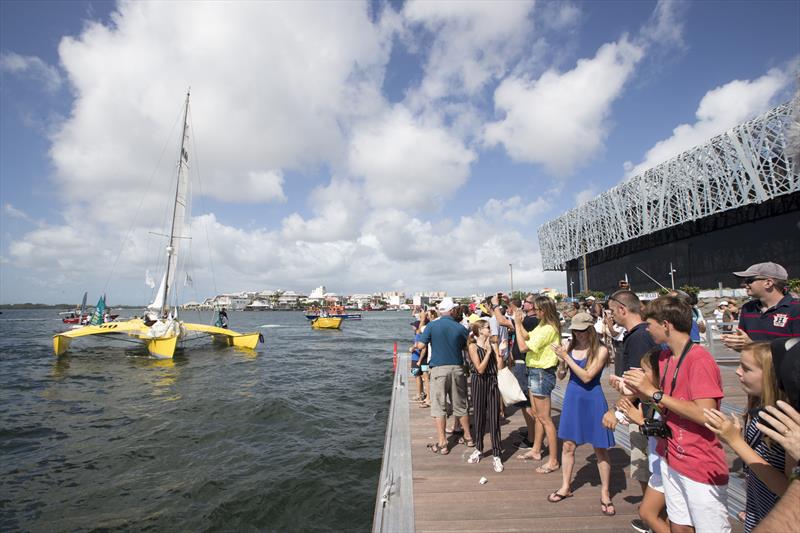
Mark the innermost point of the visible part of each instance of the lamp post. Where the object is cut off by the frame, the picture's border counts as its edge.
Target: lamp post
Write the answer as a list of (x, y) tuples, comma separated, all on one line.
[(511, 273), (672, 275), (571, 290)]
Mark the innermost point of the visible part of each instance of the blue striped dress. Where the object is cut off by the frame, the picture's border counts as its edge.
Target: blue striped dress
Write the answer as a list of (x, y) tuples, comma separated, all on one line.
[(760, 500)]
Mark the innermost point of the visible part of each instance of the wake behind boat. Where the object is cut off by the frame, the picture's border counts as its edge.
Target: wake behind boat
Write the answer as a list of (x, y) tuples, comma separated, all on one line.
[(160, 329)]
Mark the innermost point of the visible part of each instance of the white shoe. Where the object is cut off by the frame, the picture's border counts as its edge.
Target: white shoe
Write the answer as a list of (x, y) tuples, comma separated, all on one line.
[(475, 457), (498, 464)]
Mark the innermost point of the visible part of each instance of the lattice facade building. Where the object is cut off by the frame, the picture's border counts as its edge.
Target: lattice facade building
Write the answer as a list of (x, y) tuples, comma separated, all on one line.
[(720, 206)]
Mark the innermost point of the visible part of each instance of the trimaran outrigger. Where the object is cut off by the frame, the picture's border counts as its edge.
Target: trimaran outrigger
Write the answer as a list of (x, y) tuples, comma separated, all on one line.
[(160, 329)]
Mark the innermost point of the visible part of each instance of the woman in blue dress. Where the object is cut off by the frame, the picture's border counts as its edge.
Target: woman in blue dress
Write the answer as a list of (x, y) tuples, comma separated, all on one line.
[(583, 407)]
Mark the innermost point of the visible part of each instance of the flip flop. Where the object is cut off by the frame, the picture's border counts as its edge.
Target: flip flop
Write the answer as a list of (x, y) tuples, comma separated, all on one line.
[(607, 508), (556, 497), (467, 443), (529, 457), (424, 405), (547, 469)]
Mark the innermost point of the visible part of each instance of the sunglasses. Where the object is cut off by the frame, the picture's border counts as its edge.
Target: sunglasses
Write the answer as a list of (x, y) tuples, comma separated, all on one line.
[(748, 281)]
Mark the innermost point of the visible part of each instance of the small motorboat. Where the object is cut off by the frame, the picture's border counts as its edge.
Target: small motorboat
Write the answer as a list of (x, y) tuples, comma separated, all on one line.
[(327, 322)]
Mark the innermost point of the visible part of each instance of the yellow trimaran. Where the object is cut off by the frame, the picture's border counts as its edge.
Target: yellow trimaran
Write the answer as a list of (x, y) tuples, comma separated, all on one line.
[(161, 330)]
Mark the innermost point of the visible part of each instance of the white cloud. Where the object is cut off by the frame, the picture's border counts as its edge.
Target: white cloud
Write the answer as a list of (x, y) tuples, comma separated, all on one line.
[(720, 109), (31, 66), (472, 43), (514, 210), (274, 87), (338, 207), (665, 27), (13, 212), (584, 196), (559, 120), (407, 163)]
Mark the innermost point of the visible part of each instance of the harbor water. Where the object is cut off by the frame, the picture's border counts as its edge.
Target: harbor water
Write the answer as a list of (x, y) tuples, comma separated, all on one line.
[(287, 438)]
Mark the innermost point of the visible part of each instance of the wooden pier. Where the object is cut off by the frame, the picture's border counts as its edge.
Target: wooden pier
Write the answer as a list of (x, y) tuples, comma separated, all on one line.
[(449, 497)]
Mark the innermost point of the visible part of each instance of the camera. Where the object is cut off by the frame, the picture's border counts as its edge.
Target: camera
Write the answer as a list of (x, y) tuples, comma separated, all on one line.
[(655, 428)]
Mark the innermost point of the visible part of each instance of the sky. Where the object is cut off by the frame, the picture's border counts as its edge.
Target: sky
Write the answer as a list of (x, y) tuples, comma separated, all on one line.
[(364, 146)]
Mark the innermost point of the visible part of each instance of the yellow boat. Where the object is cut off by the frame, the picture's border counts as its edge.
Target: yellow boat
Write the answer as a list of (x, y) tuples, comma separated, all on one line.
[(162, 330), (326, 322)]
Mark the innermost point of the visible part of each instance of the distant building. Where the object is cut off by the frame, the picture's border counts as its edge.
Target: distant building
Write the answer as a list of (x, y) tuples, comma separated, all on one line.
[(318, 293)]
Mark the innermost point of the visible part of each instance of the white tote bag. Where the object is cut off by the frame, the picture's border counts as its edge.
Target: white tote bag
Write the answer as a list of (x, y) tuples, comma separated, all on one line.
[(509, 387)]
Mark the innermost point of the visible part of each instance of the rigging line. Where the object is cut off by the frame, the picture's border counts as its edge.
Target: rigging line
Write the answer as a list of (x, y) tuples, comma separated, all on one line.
[(202, 205), (138, 209)]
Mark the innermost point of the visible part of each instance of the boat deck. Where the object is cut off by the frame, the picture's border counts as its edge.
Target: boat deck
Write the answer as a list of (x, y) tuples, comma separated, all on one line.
[(447, 494)]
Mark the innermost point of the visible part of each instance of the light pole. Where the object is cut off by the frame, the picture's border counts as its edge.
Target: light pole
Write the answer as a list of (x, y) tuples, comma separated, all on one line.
[(571, 290), (511, 273), (672, 275)]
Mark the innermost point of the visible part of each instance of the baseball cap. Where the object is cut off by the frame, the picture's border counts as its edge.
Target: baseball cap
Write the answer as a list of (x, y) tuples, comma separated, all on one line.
[(786, 360), (590, 298), (722, 303), (767, 270), (582, 322), (445, 305)]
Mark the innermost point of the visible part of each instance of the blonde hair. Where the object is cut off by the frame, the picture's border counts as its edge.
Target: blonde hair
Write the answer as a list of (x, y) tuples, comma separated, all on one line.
[(770, 392), (549, 313), (475, 329)]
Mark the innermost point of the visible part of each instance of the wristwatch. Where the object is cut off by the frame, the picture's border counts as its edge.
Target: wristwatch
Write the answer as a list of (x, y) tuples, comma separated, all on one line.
[(657, 395)]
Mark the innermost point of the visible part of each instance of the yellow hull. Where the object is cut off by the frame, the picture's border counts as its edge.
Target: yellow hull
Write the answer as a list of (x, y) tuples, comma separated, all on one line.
[(326, 323), (160, 339)]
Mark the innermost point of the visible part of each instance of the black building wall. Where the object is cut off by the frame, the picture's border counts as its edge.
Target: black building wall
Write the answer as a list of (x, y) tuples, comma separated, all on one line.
[(703, 252)]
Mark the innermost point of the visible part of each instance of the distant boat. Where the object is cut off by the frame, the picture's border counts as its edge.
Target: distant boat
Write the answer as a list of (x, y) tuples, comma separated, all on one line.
[(335, 311), (160, 329), (81, 316), (327, 322)]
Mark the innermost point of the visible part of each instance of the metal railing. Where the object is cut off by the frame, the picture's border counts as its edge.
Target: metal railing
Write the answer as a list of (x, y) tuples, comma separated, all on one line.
[(394, 504)]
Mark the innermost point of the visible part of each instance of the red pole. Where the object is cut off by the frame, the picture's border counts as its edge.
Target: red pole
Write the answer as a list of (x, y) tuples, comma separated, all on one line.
[(394, 358)]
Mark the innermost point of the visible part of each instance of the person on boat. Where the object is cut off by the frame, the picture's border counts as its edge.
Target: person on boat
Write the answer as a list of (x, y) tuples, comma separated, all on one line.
[(222, 320)]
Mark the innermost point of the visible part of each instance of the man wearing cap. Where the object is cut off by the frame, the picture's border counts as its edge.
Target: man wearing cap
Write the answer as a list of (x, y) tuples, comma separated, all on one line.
[(771, 314), (448, 339)]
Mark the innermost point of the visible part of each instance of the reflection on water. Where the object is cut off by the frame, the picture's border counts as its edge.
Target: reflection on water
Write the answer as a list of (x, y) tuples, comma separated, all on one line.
[(108, 437)]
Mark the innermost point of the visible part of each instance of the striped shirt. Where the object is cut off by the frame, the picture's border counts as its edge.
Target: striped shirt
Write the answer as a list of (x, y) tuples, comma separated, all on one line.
[(779, 321), (760, 500)]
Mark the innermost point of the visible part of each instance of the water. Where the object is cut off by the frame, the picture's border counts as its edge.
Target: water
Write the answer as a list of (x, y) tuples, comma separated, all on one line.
[(289, 438)]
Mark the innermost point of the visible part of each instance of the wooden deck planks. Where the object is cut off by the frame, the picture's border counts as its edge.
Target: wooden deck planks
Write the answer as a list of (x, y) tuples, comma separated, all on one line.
[(449, 497)]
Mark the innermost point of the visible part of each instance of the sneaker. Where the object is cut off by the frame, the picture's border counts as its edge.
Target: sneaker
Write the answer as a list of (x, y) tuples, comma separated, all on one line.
[(497, 464), (475, 457), (640, 525)]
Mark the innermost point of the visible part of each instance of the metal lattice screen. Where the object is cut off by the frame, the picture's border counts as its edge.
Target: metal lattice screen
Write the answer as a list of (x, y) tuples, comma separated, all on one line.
[(744, 165)]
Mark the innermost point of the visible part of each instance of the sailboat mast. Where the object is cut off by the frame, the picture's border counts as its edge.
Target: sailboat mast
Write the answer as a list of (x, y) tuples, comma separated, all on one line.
[(182, 160)]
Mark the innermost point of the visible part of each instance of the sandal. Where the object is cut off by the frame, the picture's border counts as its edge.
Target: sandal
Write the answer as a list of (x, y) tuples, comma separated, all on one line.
[(459, 431), (547, 469), (556, 497), (607, 508), (467, 443), (423, 405), (438, 448)]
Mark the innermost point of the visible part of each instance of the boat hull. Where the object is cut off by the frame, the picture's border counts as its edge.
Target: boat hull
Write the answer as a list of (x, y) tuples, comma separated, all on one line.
[(161, 338), (327, 322), (348, 316)]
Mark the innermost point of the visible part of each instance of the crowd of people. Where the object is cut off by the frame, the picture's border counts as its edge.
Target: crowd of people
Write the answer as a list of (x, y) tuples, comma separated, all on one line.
[(670, 395)]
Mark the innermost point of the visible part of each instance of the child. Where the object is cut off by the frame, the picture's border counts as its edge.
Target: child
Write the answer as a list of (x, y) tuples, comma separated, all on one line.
[(485, 361), (765, 460), (653, 502)]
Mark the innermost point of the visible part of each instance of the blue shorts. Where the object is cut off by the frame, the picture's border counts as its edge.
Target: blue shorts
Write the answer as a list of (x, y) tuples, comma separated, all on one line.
[(541, 381), (520, 372)]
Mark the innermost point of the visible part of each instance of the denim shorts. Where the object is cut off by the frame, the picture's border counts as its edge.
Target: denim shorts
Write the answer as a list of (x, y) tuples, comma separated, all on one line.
[(541, 381)]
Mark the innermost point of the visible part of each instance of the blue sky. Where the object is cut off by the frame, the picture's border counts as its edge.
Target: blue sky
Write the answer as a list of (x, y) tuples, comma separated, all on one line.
[(364, 146)]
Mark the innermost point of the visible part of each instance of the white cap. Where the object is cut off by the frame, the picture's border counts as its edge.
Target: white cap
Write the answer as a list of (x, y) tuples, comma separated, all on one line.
[(589, 298), (446, 305), (723, 302)]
